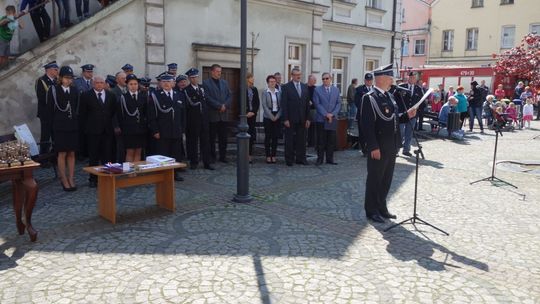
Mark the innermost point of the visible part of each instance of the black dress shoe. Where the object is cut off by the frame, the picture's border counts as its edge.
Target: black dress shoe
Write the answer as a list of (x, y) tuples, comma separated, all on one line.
[(92, 184), (376, 218), (178, 178), (388, 215), (209, 167), (289, 164), (331, 163), (193, 166), (407, 153)]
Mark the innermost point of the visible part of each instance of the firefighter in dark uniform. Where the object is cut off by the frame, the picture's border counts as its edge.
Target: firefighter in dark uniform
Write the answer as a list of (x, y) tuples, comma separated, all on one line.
[(166, 120), (128, 69), (360, 92), (172, 68), (408, 96), (197, 124), (380, 124), (43, 84)]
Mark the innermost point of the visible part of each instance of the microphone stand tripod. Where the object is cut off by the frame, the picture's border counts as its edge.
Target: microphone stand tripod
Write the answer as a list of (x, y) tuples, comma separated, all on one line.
[(493, 178), (412, 220)]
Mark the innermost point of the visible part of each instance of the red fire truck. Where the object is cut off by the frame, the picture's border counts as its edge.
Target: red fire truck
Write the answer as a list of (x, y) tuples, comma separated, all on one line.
[(461, 76)]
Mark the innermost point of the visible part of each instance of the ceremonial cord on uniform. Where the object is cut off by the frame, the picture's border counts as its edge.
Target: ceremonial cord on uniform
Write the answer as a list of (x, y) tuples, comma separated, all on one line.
[(194, 104), (157, 107), (125, 109), (64, 110)]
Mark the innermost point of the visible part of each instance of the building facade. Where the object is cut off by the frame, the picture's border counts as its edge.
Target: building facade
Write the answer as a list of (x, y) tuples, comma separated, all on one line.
[(344, 37), (416, 25), (469, 32)]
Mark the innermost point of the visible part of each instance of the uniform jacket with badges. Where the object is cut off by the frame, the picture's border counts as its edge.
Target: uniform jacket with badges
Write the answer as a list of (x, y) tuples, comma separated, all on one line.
[(82, 85), (408, 98), (380, 122), (295, 108), (216, 97), (97, 116), (43, 84), (196, 104), (360, 92), (63, 108), (131, 114), (166, 116)]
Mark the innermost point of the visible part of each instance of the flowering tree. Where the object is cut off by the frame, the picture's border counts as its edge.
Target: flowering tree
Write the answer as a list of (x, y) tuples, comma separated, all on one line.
[(522, 61)]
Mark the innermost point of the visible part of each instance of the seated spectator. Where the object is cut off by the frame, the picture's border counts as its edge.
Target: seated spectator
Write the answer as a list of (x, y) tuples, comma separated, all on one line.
[(436, 101), (512, 113), (499, 92), (448, 107), (8, 24), (487, 108)]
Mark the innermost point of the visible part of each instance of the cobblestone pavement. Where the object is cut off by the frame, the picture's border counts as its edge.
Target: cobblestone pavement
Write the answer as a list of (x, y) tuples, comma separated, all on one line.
[(304, 239)]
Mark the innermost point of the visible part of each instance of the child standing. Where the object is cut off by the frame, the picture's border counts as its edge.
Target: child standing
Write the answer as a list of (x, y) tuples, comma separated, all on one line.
[(512, 113), (8, 24), (528, 112)]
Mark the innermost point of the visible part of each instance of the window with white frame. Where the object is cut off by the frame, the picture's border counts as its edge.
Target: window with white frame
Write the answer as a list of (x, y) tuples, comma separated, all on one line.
[(374, 3), (508, 34), (420, 47), (338, 72), (472, 39), (477, 3), (371, 64), (448, 40), (535, 28), (294, 58)]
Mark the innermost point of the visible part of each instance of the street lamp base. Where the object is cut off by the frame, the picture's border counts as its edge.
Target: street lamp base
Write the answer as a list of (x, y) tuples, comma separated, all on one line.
[(242, 199)]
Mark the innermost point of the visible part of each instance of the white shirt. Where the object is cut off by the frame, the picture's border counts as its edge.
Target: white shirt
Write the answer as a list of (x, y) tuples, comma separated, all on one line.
[(528, 109), (379, 89), (136, 93), (170, 93), (273, 95), (102, 95), (66, 89)]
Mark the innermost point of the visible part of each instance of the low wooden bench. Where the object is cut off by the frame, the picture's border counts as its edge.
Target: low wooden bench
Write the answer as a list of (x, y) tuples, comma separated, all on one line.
[(108, 183)]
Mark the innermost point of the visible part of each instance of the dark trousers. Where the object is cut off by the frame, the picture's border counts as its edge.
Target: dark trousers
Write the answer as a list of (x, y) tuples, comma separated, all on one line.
[(326, 143), (45, 137), (100, 147), (171, 147), (271, 134), (218, 129), (252, 133), (420, 124), (379, 180), (63, 12), (42, 23), (197, 139), (475, 112), (79, 6), (295, 142), (361, 137)]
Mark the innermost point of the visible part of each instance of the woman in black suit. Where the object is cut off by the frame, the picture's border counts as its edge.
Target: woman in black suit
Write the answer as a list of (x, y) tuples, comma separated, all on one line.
[(252, 108), (131, 116), (63, 105)]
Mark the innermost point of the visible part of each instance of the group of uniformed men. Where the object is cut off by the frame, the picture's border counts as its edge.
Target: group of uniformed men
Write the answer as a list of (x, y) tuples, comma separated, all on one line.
[(113, 119)]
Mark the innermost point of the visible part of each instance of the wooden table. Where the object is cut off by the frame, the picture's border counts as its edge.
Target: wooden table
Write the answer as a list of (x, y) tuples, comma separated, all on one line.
[(163, 177), (25, 191)]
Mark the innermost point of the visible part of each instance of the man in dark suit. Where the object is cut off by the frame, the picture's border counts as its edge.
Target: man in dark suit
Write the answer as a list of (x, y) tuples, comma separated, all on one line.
[(97, 109), (360, 92), (380, 119), (405, 100), (219, 100), (295, 101), (327, 101), (197, 125), (42, 86), (166, 120)]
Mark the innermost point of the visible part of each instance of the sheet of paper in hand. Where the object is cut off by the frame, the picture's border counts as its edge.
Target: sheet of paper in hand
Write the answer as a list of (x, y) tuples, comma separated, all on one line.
[(423, 98)]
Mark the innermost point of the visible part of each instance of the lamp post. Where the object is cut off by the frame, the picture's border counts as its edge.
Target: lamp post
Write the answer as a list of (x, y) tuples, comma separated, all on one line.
[(242, 138)]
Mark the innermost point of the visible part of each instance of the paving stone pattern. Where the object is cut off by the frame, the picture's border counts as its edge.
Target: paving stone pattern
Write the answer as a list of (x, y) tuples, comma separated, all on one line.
[(304, 239)]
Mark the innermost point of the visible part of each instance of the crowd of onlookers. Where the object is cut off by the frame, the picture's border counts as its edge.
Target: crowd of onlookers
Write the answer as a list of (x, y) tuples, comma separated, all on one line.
[(41, 19)]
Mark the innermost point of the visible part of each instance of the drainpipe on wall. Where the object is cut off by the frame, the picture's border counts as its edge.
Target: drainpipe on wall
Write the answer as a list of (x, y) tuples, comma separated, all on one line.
[(393, 42)]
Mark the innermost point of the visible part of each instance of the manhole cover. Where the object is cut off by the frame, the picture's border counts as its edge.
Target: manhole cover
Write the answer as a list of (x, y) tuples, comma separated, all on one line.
[(529, 167)]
